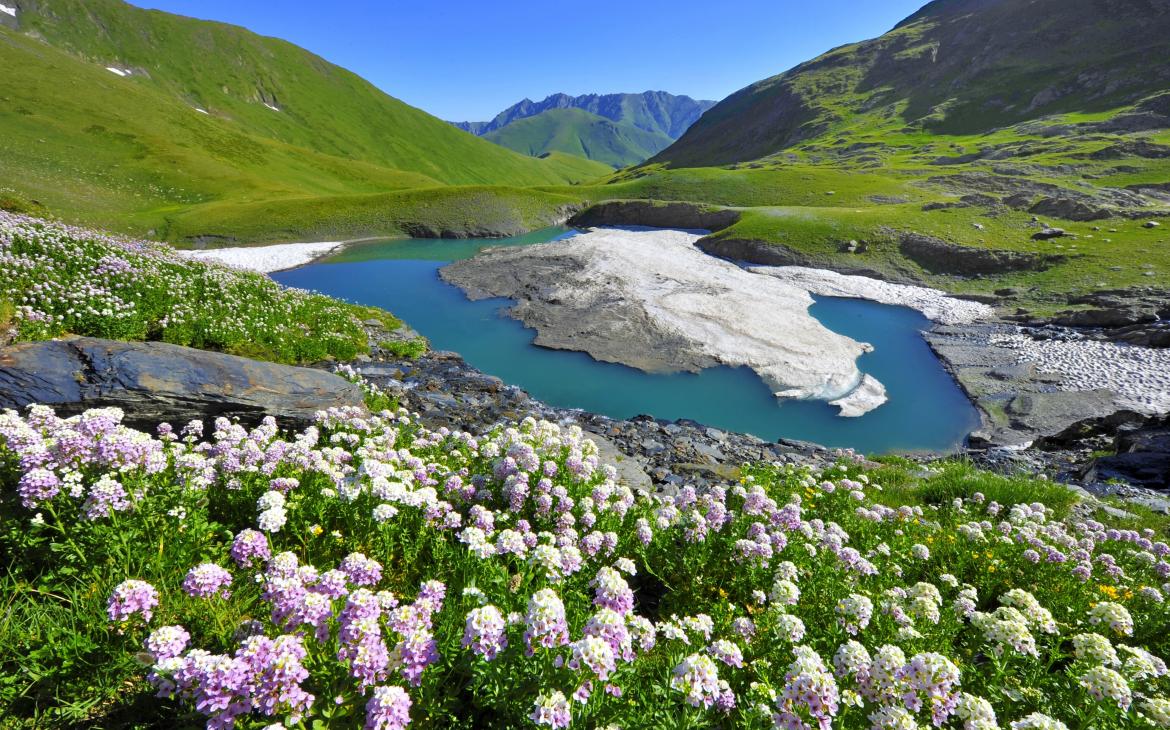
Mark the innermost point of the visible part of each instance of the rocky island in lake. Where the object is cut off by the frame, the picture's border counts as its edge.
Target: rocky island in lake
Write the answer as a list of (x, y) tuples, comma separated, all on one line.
[(651, 300)]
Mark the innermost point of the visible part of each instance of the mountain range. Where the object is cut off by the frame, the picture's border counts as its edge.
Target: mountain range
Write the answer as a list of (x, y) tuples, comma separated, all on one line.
[(617, 129)]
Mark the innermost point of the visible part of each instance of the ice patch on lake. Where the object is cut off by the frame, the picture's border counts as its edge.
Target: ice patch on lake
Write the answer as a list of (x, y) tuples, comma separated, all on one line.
[(6, 9), (265, 259), (1140, 376), (935, 305)]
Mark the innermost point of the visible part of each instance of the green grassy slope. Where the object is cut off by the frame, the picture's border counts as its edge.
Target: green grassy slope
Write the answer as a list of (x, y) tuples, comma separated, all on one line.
[(233, 73), (451, 211), (955, 67), (581, 133), (129, 152)]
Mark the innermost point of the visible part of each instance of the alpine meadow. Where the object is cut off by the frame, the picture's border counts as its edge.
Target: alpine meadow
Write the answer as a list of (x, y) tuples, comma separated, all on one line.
[(840, 400)]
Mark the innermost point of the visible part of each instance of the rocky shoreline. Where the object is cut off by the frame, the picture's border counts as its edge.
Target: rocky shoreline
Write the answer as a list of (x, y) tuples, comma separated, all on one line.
[(650, 453), (663, 455)]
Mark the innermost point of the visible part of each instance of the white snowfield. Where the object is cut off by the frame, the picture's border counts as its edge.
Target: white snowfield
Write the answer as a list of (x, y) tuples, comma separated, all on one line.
[(935, 305), (1140, 376), (729, 314), (118, 71), (273, 108), (200, 109), (266, 259), (9, 10)]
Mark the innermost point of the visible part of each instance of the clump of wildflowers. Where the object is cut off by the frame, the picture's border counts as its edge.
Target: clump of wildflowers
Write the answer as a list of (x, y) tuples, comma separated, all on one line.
[(551, 709), (485, 632), (132, 598), (1104, 683), (207, 580), (809, 691), (697, 677), (854, 612), (388, 709), (1113, 615), (546, 625)]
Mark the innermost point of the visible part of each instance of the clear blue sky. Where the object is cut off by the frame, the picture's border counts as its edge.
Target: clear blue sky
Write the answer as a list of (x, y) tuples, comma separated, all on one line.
[(470, 59)]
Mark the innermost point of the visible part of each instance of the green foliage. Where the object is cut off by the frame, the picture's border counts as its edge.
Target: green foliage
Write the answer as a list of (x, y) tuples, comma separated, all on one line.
[(412, 348), (73, 281)]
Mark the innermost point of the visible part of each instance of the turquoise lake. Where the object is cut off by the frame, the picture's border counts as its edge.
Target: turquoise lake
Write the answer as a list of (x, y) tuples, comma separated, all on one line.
[(926, 410)]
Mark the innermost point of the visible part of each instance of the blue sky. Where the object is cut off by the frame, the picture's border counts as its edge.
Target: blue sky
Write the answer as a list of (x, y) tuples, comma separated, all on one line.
[(470, 59)]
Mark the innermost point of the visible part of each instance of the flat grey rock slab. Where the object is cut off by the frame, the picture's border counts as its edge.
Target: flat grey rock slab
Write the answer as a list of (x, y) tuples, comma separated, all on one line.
[(155, 382)]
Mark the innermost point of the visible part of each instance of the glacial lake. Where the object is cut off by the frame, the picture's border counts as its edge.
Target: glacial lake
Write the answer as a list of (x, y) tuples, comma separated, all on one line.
[(926, 410)]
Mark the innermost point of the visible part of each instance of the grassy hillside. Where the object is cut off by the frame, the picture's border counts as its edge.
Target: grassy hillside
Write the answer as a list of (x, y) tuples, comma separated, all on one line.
[(580, 133), (955, 67), (454, 211), (129, 151)]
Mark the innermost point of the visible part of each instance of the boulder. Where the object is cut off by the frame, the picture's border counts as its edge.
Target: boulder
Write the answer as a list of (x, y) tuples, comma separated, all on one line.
[(1049, 233), (155, 382), (1142, 458)]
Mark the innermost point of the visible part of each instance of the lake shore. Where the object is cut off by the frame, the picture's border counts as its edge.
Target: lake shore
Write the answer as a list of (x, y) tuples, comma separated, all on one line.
[(1026, 382)]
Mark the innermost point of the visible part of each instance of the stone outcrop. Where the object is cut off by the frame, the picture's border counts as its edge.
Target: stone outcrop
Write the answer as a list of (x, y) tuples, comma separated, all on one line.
[(940, 257), (155, 382), (1069, 209), (656, 215), (753, 251), (1018, 403)]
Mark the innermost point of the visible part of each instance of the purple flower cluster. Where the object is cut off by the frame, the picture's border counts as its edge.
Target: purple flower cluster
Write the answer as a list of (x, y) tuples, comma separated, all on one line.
[(362, 571), (132, 598), (545, 623), (207, 580), (485, 632), (250, 548), (388, 709)]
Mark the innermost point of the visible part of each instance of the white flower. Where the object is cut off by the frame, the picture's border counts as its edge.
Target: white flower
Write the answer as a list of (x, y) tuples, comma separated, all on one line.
[(271, 520)]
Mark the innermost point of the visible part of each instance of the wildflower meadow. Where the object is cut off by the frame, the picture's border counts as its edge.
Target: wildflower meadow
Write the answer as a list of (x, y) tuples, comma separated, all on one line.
[(371, 572), (57, 279)]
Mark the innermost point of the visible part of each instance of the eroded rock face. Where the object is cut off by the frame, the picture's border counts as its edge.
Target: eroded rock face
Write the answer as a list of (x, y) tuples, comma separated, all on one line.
[(155, 382), (1069, 209), (940, 257), (656, 215)]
